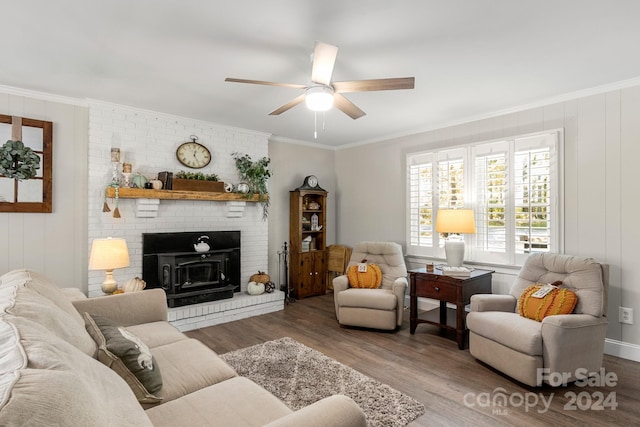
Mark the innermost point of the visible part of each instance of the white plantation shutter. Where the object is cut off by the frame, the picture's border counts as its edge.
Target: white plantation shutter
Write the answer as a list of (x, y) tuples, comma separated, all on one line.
[(491, 206), (436, 180), (451, 184), (450, 178), (420, 216), (535, 195)]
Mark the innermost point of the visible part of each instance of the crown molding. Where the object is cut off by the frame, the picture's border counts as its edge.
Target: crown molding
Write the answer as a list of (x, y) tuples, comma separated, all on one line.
[(284, 140), (10, 90), (569, 96)]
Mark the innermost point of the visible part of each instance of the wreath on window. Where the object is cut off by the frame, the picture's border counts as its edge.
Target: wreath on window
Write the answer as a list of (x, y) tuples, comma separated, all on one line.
[(18, 161)]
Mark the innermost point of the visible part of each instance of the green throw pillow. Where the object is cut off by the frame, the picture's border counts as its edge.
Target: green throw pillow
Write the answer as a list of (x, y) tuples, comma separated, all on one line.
[(126, 354)]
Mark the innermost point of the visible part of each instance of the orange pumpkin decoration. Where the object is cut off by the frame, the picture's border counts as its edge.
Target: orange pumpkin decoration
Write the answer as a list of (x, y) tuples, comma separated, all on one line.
[(370, 279), (260, 277), (558, 301)]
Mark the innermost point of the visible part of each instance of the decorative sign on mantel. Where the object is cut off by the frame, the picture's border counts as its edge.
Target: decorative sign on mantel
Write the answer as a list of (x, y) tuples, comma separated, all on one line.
[(28, 186)]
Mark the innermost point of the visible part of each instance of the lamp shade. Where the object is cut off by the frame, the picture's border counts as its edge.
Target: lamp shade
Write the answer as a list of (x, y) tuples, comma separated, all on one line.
[(319, 98), (458, 221), (109, 253)]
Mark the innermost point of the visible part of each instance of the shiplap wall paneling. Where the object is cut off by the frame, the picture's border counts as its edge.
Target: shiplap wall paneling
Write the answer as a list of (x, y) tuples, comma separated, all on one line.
[(630, 209), (612, 197), (530, 121), (53, 243), (571, 230), (591, 177), (34, 225)]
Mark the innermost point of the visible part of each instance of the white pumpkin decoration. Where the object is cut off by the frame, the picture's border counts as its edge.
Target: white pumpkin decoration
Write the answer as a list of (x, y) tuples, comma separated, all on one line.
[(255, 288), (134, 285)]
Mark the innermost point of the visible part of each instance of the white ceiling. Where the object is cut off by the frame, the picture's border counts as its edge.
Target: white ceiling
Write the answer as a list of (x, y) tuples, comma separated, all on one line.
[(470, 58)]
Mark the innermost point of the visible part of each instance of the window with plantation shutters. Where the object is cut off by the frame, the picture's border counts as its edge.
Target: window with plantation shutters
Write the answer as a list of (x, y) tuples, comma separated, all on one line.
[(513, 186), (436, 180), (421, 220)]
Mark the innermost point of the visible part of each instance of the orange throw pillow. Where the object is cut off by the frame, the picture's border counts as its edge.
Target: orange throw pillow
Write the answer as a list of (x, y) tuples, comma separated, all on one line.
[(370, 279), (558, 301)]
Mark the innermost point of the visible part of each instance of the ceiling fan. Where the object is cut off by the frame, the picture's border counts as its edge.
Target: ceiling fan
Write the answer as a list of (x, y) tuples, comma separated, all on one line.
[(322, 93)]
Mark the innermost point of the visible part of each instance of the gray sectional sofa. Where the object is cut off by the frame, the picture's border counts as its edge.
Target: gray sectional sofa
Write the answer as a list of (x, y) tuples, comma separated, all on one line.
[(53, 372)]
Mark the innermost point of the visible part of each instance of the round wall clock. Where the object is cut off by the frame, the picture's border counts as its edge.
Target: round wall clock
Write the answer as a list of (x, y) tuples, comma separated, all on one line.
[(193, 154)]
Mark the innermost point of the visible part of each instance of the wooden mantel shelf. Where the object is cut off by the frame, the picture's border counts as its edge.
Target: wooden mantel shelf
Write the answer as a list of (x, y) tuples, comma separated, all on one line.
[(143, 193)]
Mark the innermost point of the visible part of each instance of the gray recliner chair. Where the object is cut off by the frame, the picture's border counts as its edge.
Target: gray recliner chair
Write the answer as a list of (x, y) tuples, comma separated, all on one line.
[(535, 352), (380, 308)]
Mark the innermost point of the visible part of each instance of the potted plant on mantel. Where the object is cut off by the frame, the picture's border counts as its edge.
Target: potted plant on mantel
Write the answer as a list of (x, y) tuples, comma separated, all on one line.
[(256, 175), (197, 181)]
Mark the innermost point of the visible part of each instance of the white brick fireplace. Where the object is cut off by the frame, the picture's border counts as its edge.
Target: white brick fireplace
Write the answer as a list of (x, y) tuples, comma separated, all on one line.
[(148, 141)]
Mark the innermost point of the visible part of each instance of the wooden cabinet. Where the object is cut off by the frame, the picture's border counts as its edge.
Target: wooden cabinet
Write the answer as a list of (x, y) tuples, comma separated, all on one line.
[(307, 242), (308, 278)]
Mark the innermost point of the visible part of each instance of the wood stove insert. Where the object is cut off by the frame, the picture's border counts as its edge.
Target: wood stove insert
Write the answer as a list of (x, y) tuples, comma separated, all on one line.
[(171, 262)]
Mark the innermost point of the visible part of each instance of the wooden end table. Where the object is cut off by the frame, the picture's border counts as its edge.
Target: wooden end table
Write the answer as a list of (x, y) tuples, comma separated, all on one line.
[(446, 289)]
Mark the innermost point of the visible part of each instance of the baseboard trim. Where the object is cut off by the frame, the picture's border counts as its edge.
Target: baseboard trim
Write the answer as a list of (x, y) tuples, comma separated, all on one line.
[(622, 349)]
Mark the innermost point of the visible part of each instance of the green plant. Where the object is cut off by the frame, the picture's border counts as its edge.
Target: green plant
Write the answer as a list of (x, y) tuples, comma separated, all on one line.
[(256, 174), (18, 161), (197, 176)]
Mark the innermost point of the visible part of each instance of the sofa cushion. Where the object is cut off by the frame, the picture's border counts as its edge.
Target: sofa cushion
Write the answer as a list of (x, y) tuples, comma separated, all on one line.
[(388, 255), (42, 397), (188, 366), (582, 275), (509, 329), (369, 277), (127, 355), (376, 299), (556, 301), (46, 380), (235, 402), (156, 334), (31, 296)]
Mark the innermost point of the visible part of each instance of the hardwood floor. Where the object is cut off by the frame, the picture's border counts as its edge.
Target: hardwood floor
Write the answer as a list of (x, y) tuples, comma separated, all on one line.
[(454, 387)]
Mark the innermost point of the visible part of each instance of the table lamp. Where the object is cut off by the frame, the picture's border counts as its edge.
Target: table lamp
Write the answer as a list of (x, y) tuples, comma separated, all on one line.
[(455, 222), (109, 254)]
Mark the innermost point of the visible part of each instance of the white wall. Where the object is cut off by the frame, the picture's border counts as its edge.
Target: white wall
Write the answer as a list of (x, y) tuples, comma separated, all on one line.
[(291, 163), (149, 140), (52, 243), (602, 147)]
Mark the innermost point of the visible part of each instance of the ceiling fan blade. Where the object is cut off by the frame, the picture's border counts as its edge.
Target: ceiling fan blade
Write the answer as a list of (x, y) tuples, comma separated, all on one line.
[(374, 84), (324, 58), (347, 107), (289, 105), (261, 82)]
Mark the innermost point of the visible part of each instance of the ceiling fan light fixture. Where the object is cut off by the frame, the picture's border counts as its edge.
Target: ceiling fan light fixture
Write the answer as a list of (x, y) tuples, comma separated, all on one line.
[(319, 98)]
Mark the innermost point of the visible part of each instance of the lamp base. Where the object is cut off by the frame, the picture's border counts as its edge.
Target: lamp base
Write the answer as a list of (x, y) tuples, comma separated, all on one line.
[(454, 251), (109, 285)]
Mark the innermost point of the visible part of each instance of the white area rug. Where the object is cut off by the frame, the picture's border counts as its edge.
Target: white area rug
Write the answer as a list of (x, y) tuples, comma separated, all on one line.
[(299, 375)]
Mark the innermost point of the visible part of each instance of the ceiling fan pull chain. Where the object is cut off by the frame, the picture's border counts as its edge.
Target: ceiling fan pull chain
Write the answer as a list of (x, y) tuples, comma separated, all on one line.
[(323, 121), (315, 125)]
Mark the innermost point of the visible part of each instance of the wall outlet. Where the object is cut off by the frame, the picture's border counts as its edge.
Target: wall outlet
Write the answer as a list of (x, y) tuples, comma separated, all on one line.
[(625, 315)]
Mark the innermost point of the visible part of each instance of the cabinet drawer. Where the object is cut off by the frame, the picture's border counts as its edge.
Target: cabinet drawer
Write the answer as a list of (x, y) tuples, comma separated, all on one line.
[(436, 290)]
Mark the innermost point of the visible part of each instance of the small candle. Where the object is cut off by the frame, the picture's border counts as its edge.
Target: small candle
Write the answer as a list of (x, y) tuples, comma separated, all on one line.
[(430, 267), (115, 155), (126, 168)]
